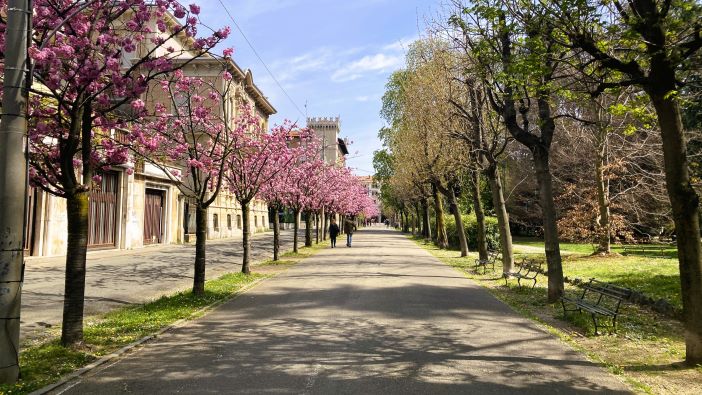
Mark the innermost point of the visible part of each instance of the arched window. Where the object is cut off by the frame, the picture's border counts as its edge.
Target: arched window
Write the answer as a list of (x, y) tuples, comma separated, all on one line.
[(215, 221), (255, 221), (229, 221), (238, 221)]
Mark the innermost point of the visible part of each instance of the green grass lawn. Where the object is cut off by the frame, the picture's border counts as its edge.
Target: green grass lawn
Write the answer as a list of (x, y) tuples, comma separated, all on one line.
[(657, 276), (647, 349), (640, 250), (573, 248)]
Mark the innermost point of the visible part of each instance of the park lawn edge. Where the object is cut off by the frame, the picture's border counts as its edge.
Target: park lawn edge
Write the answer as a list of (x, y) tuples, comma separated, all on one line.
[(66, 364), (634, 384)]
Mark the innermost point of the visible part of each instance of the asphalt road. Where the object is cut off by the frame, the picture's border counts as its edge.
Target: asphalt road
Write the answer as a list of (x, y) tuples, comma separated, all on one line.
[(118, 278), (382, 317)]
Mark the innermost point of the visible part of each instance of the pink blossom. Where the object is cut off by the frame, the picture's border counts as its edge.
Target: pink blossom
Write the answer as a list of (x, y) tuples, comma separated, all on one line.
[(138, 105), (179, 11)]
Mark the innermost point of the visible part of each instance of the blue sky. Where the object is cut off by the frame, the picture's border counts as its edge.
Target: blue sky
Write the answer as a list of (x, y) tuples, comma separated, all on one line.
[(334, 55)]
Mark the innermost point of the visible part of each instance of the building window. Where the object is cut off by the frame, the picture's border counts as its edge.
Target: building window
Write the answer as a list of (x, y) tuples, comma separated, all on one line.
[(263, 221), (215, 222), (229, 221), (238, 221), (255, 221)]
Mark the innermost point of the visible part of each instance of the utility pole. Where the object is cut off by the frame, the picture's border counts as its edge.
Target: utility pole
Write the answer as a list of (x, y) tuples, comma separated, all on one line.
[(13, 184)]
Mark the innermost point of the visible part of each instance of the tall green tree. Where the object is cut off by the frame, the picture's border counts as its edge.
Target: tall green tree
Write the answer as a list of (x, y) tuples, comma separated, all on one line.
[(650, 44), (520, 67)]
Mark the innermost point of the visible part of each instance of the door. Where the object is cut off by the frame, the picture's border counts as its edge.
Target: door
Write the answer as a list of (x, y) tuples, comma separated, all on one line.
[(102, 218), (153, 217), (32, 194)]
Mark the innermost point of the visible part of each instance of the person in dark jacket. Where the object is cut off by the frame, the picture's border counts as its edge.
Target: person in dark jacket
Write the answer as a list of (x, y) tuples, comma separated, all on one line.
[(333, 232), (349, 228)]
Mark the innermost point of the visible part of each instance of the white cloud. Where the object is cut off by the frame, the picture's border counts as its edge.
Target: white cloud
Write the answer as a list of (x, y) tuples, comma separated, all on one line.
[(367, 98), (378, 63), (311, 63), (401, 45)]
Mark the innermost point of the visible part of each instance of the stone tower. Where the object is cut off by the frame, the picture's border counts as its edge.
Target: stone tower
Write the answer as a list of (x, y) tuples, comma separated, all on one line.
[(327, 130)]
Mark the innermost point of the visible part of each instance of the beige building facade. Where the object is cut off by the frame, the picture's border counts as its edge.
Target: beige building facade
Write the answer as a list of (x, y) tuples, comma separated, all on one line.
[(144, 206)]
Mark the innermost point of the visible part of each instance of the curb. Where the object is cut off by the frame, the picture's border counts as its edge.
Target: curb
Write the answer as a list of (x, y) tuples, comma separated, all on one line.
[(109, 357)]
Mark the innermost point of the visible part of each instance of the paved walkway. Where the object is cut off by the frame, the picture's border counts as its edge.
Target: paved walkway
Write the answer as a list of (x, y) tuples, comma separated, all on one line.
[(383, 317), (118, 278)]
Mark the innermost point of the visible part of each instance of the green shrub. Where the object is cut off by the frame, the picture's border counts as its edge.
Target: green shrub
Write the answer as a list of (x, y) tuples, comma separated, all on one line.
[(470, 224)]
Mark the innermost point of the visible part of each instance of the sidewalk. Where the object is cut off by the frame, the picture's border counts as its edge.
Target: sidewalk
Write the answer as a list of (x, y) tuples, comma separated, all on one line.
[(382, 317), (118, 278)]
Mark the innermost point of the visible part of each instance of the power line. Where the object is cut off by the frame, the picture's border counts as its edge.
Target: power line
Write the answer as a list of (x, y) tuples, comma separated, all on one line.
[(363, 170), (261, 60)]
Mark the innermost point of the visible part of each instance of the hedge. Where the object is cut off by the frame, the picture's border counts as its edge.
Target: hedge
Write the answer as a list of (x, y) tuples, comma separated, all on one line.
[(471, 227)]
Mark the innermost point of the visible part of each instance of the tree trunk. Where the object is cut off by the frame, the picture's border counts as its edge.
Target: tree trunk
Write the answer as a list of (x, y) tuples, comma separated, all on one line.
[(200, 243), (418, 218), (551, 243), (498, 200), (308, 229), (460, 228), (77, 207), (325, 224), (426, 226), (296, 230), (276, 234), (405, 222), (441, 238), (316, 228), (685, 207), (604, 231), (479, 216), (245, 214)]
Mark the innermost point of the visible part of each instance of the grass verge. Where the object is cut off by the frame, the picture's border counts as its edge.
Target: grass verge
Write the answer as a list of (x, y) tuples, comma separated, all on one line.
[(657, 276), (46, 361), (646, 351)]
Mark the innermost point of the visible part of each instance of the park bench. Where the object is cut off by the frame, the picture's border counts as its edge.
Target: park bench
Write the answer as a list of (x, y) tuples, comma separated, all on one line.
[(598, 298), (490, 261), (527, 269), (650, 249)]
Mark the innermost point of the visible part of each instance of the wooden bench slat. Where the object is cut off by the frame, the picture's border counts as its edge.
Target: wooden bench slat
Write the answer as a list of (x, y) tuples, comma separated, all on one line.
[(608, 300), (528, 270)]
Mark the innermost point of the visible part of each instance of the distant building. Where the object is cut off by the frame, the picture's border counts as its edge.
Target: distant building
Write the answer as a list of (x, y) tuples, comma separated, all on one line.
[(372, 186), (327, 130)]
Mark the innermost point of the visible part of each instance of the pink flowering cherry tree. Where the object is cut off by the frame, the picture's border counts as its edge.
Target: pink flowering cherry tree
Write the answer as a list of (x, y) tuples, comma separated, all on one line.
[(329, 177), (192, 126), (91, 59), (311, 188), (256, 159), (302, 183), (274, 192)]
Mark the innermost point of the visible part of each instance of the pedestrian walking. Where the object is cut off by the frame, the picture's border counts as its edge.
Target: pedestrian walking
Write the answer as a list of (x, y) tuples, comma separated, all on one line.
[(349, 228), (333, 232)]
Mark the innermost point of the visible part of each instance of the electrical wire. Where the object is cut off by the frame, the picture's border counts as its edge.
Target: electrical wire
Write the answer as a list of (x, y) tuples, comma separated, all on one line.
[(260, 59)]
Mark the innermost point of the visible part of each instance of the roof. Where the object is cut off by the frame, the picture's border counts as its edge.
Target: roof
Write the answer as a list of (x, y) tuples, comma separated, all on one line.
[(240, 75), (342, 146)]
